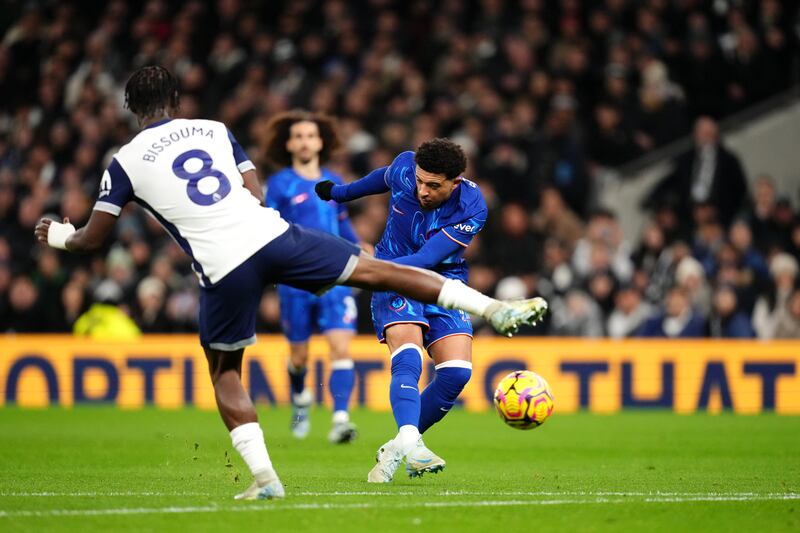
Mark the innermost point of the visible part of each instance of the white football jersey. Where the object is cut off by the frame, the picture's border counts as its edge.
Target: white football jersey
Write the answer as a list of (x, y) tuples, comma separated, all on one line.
[(187, 174)]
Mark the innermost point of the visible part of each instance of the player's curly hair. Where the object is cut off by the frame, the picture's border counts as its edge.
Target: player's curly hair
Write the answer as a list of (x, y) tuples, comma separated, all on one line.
[(150, 91), (441, 156), (276, 133)]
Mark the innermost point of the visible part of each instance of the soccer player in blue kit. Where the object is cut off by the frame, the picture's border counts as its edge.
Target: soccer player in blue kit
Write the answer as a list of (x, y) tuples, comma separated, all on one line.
[(434, 213), (195, 179), (301, 142)]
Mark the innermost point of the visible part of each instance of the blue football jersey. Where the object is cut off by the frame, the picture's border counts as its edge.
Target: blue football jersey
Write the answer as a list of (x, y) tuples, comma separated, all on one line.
[(294, 197), (408, 226)]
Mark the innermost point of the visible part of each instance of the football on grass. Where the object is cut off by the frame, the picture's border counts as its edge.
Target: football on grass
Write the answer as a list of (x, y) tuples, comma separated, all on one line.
[(523, 399)]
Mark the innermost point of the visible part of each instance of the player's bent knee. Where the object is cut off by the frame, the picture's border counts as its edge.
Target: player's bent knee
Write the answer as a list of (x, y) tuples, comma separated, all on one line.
[(400, 334), (298, 352), (454, 376)]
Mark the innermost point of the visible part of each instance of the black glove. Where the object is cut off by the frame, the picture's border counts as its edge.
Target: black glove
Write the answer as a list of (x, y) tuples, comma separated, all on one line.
[(323, 189)]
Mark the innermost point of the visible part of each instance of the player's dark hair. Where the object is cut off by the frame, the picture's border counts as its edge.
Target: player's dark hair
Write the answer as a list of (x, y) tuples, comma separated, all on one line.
[(277, 130), (150, 91), (441, 156)]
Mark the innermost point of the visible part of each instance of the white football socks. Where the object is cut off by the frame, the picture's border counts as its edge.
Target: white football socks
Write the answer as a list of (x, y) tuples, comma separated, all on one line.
[(248, 439), (341, 417), (456, 295), (406, 438)]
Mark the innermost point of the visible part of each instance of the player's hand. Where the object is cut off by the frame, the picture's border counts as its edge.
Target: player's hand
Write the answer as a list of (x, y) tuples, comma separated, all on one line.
[(58, 240), (323, 189), (42, 228)]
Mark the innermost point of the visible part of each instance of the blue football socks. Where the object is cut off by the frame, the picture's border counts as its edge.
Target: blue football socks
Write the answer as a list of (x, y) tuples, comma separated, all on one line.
[(404, 387), (440, 395), (340, 383)]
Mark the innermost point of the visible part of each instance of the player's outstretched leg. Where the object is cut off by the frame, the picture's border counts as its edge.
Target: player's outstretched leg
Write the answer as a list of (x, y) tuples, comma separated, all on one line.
[(299, 395), (239, 415), (429, 287)]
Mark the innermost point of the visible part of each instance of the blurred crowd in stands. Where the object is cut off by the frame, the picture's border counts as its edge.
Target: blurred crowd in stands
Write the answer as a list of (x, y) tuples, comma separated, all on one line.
[(541, 94)]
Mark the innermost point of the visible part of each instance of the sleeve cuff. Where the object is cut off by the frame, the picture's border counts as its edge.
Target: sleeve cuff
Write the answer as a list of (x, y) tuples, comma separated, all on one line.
[(246, 165), (108, 207)]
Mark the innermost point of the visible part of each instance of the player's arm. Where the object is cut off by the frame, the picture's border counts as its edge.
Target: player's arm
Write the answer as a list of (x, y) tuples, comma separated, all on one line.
[(373, 183), (444, 243), (437, 249), (87, 239), (115, 191), (246, 168), (252, 184)]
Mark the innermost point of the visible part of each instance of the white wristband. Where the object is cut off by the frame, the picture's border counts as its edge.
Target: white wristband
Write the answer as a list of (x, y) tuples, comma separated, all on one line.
[(58, 233)]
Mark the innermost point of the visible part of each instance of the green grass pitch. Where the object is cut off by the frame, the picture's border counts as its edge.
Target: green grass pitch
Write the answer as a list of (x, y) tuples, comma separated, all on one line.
[(105, 469)]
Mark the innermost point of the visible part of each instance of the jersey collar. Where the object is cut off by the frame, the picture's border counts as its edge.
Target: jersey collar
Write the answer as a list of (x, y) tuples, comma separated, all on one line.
[(321, 177), (158, 123)]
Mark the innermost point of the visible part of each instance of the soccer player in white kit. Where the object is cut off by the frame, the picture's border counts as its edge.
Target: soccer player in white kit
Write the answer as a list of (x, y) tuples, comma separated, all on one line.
[(196, 180)]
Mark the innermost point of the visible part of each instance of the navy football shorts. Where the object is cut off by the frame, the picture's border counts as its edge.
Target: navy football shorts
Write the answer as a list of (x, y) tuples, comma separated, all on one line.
[(302, 258)]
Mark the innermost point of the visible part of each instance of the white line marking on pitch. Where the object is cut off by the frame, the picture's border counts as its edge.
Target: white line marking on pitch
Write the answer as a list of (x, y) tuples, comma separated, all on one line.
[(278, 506), (654, 494), (401, 493), (535, 493), (97, 494)]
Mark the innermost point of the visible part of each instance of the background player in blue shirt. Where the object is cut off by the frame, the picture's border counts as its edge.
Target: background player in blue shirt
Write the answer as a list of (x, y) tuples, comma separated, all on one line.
[(434, 213), (301, 142)]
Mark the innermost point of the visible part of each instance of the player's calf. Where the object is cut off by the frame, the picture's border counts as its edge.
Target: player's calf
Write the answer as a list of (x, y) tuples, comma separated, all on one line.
[(404, 393), (340, 384), (441, 394)]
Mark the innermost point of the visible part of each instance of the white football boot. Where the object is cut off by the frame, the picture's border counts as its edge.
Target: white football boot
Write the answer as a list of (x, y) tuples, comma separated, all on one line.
[(421, 460), (342, 432), (388, 460), (508, 315), (270, 490), (301, 403)]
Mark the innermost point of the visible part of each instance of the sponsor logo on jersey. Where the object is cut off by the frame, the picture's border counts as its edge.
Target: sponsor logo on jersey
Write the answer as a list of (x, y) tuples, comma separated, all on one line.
[(397, 211), (300, 198), (466, 228), (105, 185)]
